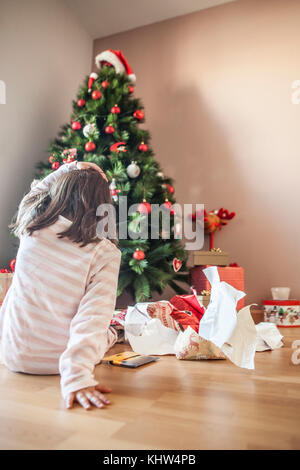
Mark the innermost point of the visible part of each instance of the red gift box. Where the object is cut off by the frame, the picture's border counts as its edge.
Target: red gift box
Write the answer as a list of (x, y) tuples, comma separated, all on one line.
[(233, 275)]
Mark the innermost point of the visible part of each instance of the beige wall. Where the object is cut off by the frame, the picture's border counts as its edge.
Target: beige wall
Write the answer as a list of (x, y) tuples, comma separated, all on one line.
[(217, 91), (44, 55)]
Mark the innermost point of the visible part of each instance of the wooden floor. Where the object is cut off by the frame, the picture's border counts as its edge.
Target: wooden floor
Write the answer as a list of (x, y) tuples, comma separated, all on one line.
[(169, 404)]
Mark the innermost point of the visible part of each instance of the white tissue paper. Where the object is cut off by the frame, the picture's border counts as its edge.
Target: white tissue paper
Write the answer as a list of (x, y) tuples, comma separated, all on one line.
[(268, 337), (219, 320), (228, 332), (240, 347), (155, 338)]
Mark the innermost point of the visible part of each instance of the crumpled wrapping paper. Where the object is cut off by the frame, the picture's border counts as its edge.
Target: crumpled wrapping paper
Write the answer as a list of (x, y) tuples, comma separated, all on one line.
[(222, 331), (189, 345), (268, 337), (155, 339)]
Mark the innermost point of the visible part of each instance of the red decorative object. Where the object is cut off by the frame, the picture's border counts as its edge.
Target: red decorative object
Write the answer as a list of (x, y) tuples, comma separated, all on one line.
[(117, 60), (76, 126), (143, 147), (170, 188), (118, 147), (168, 206), (90, 146), (109, 129), (214, 221), (115, 109), (189, 312), (93, 76), (68, 160), (232, 275), (55, 165), (105, 84), (131, 89), (51, 159), (144, 207), (138, 114), (96, 95), (12, 264), (81, 103), (138, 255), (177, 263)]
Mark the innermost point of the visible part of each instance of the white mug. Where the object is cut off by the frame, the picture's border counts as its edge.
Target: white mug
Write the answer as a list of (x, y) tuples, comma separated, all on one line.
[(280, 293)]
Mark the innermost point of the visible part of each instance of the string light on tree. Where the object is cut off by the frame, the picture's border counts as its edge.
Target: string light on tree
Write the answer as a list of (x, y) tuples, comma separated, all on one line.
[(105, 84)]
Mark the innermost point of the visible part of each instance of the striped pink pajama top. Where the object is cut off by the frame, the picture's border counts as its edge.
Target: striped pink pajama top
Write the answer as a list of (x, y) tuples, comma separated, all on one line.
[(56, 315)]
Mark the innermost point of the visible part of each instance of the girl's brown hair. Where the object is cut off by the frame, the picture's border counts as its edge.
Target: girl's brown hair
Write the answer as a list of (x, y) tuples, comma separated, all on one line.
[(76, 196)]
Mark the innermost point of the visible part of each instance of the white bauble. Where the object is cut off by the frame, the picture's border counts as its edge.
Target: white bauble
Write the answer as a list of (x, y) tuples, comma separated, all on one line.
[(133, 170), (89, 130), (160, 174)]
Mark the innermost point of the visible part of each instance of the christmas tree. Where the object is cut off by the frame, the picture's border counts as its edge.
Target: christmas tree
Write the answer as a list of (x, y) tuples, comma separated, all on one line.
[(105, 129)]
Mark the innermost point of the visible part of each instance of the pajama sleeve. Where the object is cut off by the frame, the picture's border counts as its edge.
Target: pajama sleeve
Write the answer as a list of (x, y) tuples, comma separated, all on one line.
[(88, 330)]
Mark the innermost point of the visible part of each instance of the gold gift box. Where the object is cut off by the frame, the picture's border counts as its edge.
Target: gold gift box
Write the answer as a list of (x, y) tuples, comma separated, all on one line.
[(215, 257)]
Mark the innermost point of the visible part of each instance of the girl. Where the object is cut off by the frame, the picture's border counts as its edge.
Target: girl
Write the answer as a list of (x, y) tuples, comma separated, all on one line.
[(56, 316)]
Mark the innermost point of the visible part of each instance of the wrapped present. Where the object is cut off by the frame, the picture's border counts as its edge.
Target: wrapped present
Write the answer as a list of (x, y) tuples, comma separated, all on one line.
[(284, 313), (163, 310), (233, 275), (188, 311), (5, 282), (214, 257), (204, 298), (190, 346)]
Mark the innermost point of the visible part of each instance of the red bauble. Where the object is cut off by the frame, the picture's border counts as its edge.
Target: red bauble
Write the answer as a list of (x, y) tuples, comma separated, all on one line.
[(51, 159), (138, 114), (168, 206), (144, 208), (76, 126), (90, 146), (138, 255), (131, 89), (104, 84), (81, 103), (12, 265), (115, 109), (170, 188), (109, 129), (143, 147), (55, 165), (96, 95)]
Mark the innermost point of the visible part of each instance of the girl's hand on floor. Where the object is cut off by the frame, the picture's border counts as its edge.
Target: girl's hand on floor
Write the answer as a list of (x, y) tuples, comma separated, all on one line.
[(89, 396), (87, 165)]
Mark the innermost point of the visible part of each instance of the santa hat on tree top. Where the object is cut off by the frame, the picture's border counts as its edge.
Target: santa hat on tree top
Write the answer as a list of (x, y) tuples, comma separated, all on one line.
[(117, 60)]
